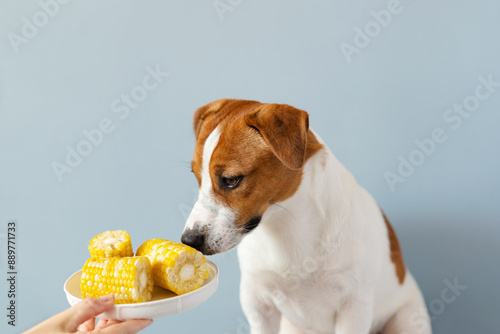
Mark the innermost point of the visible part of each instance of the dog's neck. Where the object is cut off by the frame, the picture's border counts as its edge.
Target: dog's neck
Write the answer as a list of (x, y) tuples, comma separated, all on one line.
[(319, 208)]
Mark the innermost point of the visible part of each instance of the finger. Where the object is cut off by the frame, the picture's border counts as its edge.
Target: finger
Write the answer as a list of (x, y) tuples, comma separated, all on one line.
[(87, 326), (113, 322), (128, 327), (85, 310), (106, 323), (101, 323)]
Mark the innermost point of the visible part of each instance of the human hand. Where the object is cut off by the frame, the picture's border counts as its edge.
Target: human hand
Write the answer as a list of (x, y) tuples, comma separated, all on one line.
[(81, 319)]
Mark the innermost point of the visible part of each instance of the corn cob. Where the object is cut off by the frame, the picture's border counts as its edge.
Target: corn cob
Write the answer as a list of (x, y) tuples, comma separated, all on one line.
[(176, 267), (128, 278), (111, 243)]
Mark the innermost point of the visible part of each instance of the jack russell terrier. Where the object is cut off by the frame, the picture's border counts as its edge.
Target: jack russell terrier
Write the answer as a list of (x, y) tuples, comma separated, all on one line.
[(317, 254)]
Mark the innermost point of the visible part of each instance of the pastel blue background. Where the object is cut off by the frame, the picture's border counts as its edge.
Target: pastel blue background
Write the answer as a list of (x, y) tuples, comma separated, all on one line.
[(369, 111)]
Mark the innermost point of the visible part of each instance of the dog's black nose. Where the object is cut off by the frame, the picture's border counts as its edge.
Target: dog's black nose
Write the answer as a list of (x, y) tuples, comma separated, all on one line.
[(193, 239)]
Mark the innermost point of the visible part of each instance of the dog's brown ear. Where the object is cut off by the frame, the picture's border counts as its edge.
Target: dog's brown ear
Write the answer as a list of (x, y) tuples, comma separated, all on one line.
[(203, 112), (284, 128), (197, 118)]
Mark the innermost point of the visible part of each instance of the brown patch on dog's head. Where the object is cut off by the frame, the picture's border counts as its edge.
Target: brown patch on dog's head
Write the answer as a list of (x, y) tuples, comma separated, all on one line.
[(284, 129), (259, 156), (207, 118)]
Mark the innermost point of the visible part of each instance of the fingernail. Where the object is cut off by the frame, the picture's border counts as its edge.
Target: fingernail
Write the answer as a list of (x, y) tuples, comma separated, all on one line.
[(107, 298)]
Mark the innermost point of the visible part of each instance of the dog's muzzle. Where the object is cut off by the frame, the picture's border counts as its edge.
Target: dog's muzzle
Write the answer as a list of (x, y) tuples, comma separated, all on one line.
[(194, 239)]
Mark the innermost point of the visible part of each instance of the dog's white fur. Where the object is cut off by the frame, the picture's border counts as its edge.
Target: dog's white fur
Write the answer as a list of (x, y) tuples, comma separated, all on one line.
[(318, 262), (214, 215)]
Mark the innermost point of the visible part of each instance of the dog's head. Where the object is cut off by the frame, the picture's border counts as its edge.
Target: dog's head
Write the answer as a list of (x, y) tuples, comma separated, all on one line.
[(248, 156)]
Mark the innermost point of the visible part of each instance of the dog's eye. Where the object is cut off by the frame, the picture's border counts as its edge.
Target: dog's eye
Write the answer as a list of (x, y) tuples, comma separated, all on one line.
[(230, 182)]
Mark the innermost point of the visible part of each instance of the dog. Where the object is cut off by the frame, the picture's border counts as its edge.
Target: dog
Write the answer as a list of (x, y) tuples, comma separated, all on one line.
[(316, 252)]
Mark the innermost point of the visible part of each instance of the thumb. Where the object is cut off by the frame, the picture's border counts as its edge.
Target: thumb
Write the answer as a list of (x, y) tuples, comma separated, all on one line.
[(85, 310)]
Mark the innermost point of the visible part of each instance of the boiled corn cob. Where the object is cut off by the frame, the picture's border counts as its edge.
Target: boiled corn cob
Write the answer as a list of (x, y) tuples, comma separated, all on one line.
[(128, 278), (176, 267), (111, 243)]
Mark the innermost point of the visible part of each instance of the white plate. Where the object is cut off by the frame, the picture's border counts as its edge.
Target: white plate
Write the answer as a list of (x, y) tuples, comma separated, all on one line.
[(164, 302)]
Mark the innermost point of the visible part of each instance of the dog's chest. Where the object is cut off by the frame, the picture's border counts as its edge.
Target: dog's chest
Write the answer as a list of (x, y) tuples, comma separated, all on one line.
[(309, 300)]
